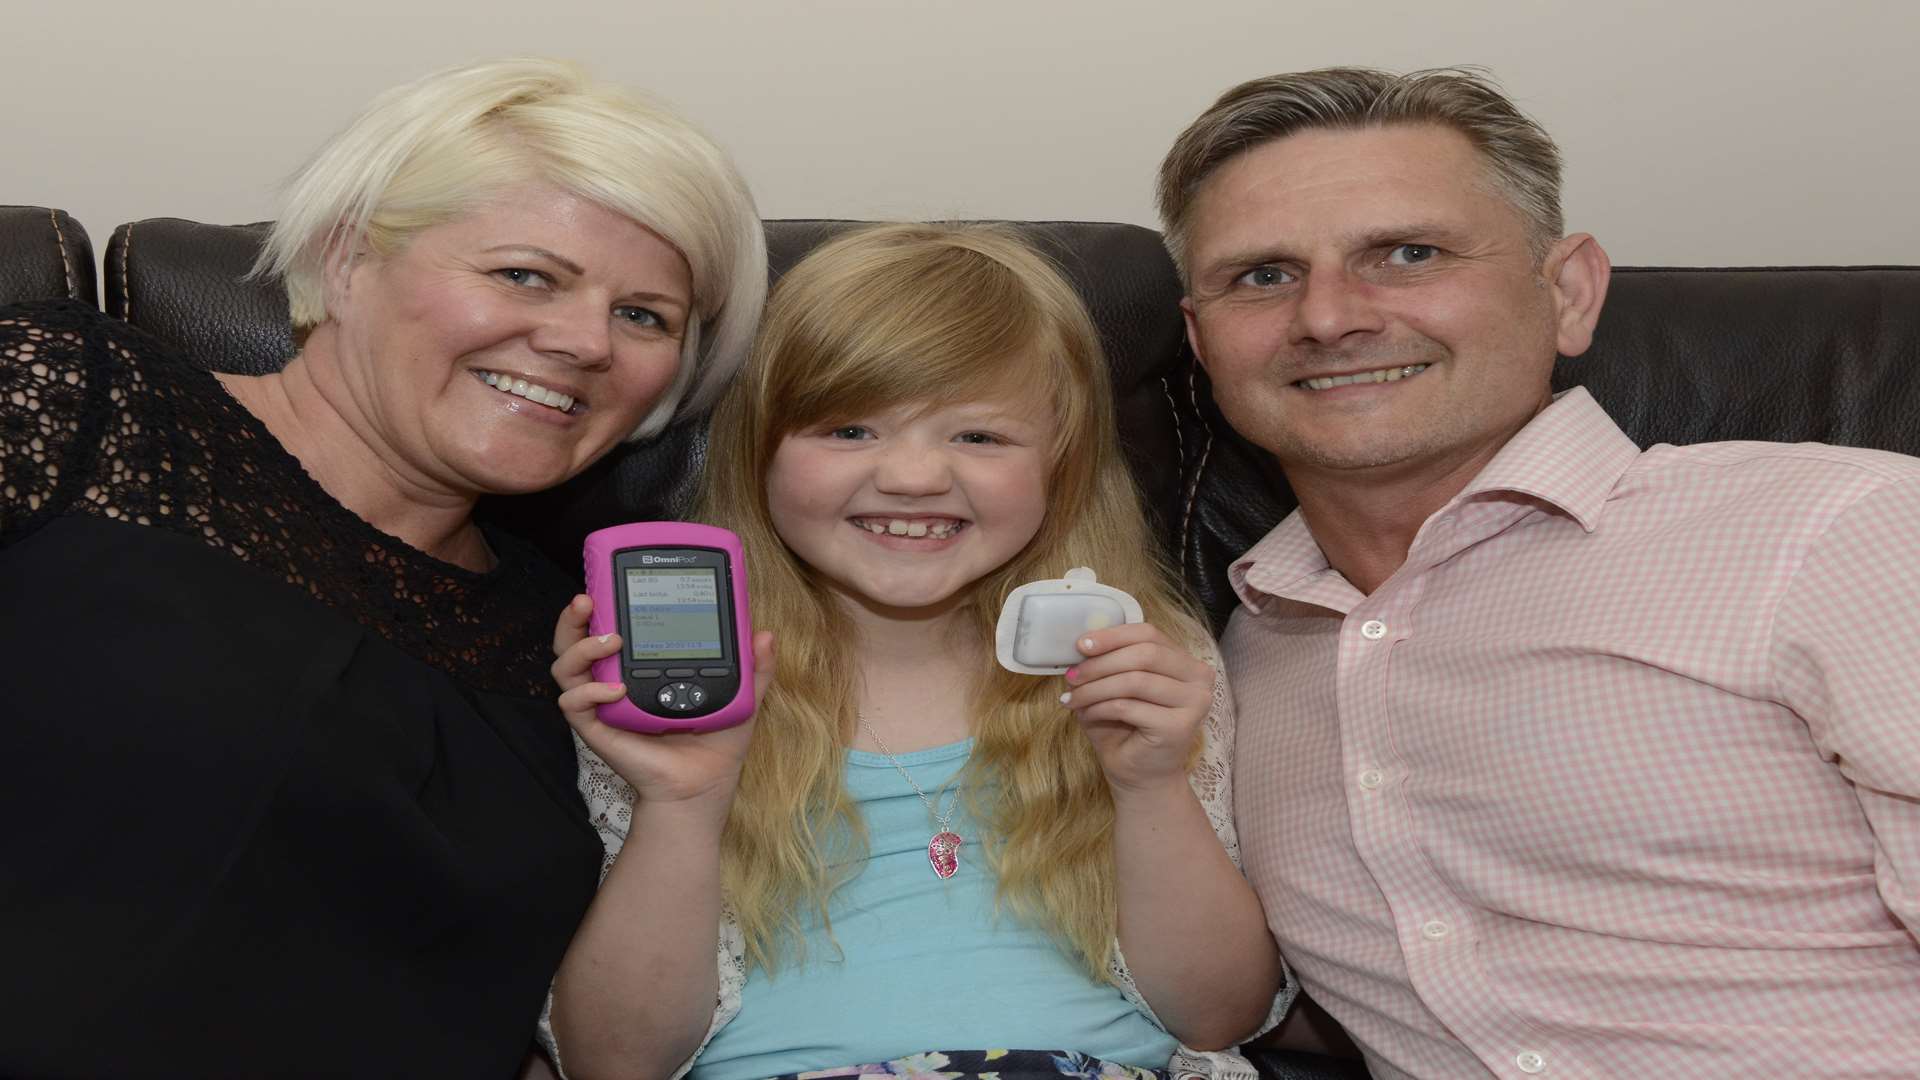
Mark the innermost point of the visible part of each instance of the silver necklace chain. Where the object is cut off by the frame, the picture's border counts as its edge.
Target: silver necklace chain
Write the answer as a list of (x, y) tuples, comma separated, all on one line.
[(941, 821)]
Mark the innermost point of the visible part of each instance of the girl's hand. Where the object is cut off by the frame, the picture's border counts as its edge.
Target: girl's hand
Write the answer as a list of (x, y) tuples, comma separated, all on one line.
[(1141, 700), (661, 768)]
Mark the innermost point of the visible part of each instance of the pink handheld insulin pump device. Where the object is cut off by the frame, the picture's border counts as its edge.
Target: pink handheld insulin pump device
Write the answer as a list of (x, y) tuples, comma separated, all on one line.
[(676, 593)]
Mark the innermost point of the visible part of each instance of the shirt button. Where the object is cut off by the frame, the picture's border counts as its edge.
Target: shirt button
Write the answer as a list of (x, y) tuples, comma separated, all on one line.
[(1371, 778), (1531, 1063), (1434, 930), (1373, 630)]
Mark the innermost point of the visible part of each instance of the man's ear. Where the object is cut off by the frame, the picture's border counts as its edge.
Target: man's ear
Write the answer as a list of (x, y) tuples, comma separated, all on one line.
[(1193, 331), (1577, 270)]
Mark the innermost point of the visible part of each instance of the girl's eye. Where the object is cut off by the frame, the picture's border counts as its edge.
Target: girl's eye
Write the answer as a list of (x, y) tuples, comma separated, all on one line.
[(520, 275), (1411, 254), (1264, 277), (979, 438), (640, 316), (849, 431)]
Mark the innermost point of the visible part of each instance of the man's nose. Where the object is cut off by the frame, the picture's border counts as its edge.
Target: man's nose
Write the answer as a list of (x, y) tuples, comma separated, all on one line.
[(1333, 304), (577, 330)]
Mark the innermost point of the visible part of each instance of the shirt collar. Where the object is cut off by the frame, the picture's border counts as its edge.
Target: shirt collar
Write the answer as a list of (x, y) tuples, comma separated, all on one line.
[(1570, 455)]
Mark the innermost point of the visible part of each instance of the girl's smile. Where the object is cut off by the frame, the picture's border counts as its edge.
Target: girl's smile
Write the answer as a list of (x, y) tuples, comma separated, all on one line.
[(903, 509)]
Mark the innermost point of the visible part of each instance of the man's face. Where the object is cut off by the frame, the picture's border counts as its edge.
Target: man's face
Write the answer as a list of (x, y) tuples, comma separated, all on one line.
[(1366, 305)]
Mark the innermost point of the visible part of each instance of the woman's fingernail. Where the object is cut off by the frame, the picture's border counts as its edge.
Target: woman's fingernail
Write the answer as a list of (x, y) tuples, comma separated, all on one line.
[(1066, 698)]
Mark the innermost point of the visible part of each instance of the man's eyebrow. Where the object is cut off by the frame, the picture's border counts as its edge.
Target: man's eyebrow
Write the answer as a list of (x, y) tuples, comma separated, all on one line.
[(1409, 233), (1379, 236), (561, 261)]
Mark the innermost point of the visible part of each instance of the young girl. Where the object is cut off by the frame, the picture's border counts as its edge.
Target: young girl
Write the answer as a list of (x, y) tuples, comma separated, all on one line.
[(925, 424)]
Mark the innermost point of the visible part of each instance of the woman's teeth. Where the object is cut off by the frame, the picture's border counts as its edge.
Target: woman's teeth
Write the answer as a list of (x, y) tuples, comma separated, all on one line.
[(1328, 382), (533, 392), (939, 530)]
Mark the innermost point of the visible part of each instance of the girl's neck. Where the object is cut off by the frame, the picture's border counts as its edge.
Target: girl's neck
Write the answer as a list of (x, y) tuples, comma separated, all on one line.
[(915, 681)]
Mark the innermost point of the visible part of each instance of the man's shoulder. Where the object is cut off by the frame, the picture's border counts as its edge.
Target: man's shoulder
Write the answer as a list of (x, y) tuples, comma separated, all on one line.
[(1776, 466)]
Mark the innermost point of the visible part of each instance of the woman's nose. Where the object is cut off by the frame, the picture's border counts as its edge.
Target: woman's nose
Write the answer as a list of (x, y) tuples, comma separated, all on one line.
[(576, 329)]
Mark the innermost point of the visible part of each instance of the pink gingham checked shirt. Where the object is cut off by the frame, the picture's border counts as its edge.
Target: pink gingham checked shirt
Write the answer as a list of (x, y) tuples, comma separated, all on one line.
[(1618, 776)]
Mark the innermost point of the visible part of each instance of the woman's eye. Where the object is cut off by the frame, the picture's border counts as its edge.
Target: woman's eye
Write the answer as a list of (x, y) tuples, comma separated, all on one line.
[(520, 275), (1411, 254), (1264, 277), (640, 316)]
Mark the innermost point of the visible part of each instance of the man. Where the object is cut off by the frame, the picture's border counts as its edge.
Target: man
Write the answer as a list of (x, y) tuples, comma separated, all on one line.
[(1555, 757)]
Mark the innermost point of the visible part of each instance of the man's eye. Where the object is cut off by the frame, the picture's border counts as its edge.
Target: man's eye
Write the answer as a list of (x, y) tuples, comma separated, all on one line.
[(1411, 254), (640, 316), (1264, 277), (520, 275)]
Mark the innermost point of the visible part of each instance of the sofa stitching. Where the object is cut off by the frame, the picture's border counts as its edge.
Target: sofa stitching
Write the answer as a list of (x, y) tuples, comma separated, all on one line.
[(1173, 410), (126, 290), (66, 261), (1200, 467)]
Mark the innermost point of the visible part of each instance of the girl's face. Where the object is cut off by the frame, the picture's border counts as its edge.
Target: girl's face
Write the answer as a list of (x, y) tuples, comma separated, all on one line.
[(901, 510)]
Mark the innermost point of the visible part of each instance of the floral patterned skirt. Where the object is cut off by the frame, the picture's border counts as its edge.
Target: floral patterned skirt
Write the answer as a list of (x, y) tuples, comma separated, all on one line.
[(991, 1065)]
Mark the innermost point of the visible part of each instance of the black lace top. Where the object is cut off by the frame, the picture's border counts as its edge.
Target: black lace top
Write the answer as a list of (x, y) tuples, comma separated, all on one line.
[(97, 418), (283, 796)]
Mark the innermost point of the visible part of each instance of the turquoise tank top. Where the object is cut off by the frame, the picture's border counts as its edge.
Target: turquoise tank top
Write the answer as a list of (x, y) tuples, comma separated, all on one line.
[(919, 963)]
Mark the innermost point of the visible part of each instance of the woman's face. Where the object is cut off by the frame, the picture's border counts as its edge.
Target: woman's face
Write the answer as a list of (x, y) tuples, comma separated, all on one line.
[(508, 349), (902, 510)]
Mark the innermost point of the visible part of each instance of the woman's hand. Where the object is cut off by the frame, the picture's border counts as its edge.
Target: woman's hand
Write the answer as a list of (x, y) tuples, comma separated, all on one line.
[(679, 767), (1141, 700)]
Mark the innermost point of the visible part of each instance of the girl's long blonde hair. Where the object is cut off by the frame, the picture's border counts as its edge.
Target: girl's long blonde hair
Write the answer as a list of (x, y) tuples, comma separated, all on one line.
[(894, 315)]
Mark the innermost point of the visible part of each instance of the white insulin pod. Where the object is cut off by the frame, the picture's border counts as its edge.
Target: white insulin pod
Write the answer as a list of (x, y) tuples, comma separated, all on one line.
[(1041, 624)]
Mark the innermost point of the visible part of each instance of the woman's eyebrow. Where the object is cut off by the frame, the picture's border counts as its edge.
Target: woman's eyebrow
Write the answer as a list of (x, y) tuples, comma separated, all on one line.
[(557, 259)]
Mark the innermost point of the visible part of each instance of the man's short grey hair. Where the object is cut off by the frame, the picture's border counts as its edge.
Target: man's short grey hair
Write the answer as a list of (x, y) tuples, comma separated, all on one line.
[(432, 150), (1521, 158)]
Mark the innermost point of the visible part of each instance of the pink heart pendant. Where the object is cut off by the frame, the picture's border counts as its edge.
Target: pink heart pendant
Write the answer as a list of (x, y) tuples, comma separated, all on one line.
[(943, 851)]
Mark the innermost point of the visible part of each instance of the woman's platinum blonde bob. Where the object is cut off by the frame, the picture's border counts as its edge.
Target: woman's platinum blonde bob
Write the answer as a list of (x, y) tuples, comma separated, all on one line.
[(425, 153)]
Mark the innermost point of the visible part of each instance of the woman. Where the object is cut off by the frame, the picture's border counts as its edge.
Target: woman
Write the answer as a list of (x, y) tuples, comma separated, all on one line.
[(286, 790), (914, 861)]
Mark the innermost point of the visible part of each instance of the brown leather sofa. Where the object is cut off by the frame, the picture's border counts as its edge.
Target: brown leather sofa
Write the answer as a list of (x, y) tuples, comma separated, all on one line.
[(1681, 355)]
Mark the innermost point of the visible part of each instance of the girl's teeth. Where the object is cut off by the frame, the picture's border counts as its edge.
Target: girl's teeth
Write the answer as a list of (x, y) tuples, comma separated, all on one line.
[(939, 530)]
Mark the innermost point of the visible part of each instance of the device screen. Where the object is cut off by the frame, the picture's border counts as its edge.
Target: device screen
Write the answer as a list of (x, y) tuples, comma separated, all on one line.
[(673, 613)]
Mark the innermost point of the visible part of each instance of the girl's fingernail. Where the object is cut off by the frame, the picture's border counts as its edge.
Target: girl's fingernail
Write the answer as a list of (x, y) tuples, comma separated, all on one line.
[(1066, 698), (1073, 673), (604, 638), (1086, 644)]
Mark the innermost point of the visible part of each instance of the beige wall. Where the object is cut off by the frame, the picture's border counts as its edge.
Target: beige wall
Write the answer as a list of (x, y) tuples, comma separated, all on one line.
[(1702, 132)]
